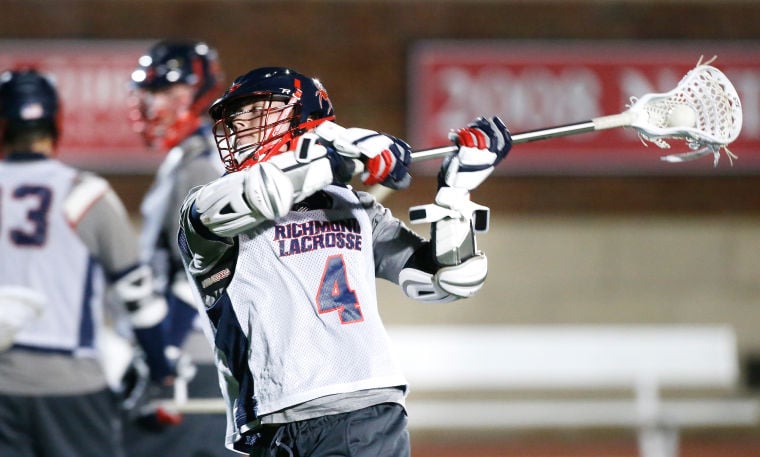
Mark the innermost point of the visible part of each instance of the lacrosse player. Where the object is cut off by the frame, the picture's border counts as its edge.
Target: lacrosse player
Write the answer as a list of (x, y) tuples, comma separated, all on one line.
[(66, 240), (284, 256), (172, 87)]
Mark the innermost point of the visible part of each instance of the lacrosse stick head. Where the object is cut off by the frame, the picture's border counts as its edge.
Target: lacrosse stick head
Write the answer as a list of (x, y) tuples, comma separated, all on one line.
[(703, 110)]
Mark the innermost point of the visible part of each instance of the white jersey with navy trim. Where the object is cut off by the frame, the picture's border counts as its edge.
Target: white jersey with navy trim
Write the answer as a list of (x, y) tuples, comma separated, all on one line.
[(304, 294), (41, 251), (292, 310)]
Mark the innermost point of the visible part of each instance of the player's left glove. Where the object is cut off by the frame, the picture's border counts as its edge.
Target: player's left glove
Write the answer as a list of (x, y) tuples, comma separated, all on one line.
[(482, 145), (386, 158)]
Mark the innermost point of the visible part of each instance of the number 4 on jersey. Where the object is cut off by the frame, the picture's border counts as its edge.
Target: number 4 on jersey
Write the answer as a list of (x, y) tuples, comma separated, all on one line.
[(335, 294)]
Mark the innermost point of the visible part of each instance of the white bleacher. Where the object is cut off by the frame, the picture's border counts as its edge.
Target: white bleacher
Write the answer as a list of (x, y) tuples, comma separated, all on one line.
[(570, 362)]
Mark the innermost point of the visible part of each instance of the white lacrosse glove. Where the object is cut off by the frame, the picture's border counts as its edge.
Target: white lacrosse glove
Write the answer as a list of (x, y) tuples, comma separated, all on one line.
[(482, 145), (386, 158)]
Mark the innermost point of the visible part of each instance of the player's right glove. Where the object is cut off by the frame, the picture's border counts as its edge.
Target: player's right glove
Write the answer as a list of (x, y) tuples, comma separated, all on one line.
[(482, 145)]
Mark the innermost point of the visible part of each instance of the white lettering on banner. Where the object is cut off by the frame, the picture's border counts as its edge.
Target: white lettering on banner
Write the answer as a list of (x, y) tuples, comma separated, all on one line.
[(535, 85), (92, 77), (95, 96), (747, 83), (633, 82), (534, 97)]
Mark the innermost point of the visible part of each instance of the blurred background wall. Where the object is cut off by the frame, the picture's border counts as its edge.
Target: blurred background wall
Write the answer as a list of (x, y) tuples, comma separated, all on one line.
[(562, 249)]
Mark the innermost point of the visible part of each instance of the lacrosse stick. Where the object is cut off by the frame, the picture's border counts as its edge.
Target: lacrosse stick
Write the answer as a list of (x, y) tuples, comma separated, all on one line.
[(703, 109)]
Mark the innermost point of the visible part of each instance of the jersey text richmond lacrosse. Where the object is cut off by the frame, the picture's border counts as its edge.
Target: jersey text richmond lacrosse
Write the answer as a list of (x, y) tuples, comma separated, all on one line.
[(299, 237)]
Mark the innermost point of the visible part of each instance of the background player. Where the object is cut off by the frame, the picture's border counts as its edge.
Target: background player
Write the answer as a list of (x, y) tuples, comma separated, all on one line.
[(173, 85), (64, 236), (285, 257)]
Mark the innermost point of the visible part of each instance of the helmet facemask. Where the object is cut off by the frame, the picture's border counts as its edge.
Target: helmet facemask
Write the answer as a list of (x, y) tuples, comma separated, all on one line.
[(172, 87), (255, 128), (166, 116), (262, 113)]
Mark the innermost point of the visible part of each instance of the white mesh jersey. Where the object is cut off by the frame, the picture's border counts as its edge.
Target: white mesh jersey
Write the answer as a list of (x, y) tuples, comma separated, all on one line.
[(303, 293), (41, 250), (292, 310)]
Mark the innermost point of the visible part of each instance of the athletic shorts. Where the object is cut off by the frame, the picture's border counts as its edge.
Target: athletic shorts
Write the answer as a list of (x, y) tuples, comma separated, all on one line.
[(375, 431), (63, 425)]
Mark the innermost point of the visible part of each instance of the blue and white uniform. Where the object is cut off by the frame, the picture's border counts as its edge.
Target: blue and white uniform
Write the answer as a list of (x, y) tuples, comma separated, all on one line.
[(49, 246), (68, 251), (293, 311)]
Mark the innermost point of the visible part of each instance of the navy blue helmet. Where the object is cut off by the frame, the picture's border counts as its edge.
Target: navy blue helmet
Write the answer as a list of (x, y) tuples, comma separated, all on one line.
[(167, 65), (28, 100), (303, 104), (170, 62)]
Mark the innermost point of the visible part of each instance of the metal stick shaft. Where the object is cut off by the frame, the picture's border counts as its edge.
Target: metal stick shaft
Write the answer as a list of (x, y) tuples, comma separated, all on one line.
[(517, 138)]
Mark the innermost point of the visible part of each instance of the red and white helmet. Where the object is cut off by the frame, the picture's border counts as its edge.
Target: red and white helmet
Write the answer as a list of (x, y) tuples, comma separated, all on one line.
[(173, 85), (263, 111)]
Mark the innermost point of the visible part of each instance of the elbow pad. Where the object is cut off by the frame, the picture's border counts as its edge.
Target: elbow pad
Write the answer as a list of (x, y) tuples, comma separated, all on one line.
[(448, 283), (421, 286), (463, 280), (135, 291), (244, 199)]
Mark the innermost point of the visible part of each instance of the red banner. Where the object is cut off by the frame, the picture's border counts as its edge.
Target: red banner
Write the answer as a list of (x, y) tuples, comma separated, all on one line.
[(535, 85), (93, 83)]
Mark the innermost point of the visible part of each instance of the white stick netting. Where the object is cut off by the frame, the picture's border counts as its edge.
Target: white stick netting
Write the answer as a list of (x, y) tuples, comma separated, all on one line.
[(704, 110)]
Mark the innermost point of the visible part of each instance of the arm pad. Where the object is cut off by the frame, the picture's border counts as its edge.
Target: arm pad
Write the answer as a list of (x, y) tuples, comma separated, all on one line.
[(242, 200), (146, 311), (265, 191), (465, 279), (448, 283)]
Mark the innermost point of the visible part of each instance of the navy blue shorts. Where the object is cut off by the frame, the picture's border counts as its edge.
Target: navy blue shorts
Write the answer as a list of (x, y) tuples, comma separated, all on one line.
[(86, 425), (376, 431)]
